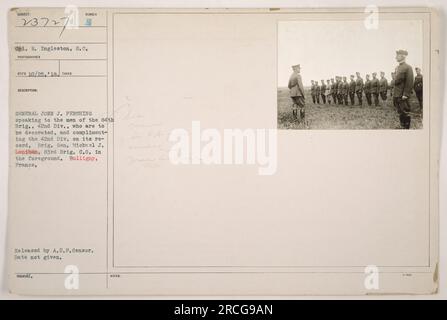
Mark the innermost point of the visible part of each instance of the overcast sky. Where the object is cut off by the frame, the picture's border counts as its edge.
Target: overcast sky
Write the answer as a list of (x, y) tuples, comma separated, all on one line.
[(328, 48)]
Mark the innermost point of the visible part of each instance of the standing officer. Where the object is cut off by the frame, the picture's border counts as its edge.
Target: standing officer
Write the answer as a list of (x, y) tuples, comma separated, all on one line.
[(323, 91), (383, 86), (367, 89), (403, 86), (352, 90), (359, 88), (375, 88), (296, 92), (312, 91), (418, 86), (317, 92)]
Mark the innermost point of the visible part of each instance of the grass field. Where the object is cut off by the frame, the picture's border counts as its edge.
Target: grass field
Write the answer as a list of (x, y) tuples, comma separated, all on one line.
[(325, 116)]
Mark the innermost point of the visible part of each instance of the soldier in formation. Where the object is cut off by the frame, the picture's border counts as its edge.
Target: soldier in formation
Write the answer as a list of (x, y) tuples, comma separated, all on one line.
[(317, 91), (359, 88), (328, 91), (392, 83), (323, 91), (345, 91), (312, 91), (375, 88), (383, 86), (418, 86), (339, 91), (333, 91), (367, 89), (352, 90)]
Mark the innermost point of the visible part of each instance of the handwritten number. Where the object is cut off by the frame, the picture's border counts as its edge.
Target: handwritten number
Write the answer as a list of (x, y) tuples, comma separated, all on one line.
[(44, 22), (34, 22), (67, 20)]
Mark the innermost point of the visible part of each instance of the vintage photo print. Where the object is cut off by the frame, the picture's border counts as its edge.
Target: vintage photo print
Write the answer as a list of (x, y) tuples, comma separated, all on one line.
[(348, 75)]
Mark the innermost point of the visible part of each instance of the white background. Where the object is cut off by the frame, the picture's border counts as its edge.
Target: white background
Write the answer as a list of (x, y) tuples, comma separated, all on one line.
[(5, 5)]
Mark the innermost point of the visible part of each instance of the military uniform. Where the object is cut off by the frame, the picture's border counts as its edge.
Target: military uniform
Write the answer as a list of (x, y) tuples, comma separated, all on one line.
[(336, 92), (296, 93), (383, 88), (375, 90), (359, 90), (352, 91), (403, 86), (340, 90), (317, 93), (323, 92), (345, 92), (328, 92), (312, 92), (367, 89), (391, 87), (418, 88)]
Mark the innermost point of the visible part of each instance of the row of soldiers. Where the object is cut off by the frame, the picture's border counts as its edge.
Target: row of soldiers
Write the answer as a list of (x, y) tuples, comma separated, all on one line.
[(340, 91), (402, 84)]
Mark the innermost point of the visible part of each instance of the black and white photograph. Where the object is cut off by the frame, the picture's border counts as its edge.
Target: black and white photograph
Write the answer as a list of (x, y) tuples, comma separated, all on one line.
[(350, 75), (228, 152)]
